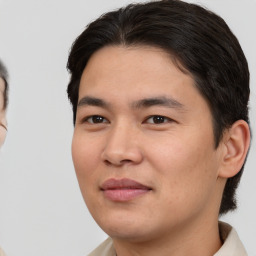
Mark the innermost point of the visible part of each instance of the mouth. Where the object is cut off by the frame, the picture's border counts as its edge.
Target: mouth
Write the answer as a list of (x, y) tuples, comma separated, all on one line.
[(121, 190)]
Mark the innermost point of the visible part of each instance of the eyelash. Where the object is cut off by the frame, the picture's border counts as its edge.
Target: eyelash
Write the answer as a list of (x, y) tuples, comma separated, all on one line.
[(94, 118), (156, 119)]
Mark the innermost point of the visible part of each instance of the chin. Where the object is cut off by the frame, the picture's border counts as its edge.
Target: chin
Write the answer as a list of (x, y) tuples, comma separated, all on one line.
[(129, 229), (127, 234)]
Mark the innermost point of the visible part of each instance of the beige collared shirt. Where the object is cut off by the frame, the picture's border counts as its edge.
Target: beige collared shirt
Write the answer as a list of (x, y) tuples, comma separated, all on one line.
[(232, 245)]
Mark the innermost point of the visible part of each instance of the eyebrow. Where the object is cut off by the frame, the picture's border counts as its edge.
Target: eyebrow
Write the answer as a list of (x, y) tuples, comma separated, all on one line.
[(143, 103), (91, 101), (158, 101)]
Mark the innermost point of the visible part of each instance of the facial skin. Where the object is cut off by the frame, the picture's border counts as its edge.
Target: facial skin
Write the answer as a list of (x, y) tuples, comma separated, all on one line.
[(3, 123), (140, 118)]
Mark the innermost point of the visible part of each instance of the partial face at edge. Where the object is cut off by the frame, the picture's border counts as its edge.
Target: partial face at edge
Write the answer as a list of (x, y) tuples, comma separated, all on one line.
[(140, 118), (3, 123)]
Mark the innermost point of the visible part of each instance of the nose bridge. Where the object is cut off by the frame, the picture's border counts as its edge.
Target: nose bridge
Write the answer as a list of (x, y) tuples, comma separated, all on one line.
[(122, 144)]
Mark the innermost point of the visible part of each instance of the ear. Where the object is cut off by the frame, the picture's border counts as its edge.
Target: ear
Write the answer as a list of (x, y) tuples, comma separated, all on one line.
[(235, 142)]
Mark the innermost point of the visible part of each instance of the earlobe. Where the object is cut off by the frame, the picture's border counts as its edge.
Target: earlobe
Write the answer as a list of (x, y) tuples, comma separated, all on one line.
[(236, 142)]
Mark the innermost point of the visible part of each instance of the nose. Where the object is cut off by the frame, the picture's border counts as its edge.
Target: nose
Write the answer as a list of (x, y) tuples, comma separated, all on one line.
[(122, 146)]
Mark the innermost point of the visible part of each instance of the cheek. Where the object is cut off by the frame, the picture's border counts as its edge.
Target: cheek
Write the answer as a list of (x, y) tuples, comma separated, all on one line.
[(186, 168), (85, 157), (86, 160), (185, 153)]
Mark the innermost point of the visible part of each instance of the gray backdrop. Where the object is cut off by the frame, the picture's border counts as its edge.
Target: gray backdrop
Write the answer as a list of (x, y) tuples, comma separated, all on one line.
[(41, 210)]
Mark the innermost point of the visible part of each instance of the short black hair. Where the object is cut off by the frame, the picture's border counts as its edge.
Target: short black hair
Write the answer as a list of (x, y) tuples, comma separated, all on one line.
[(198, 41), (4, 76)]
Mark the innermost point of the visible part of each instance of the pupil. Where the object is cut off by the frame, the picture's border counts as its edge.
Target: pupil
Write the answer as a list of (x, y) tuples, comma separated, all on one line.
[(97, 119), (158, 119)]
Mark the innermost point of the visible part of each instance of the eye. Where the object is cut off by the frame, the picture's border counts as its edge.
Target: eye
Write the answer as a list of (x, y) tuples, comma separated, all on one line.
[(157, 120), (95, 119)]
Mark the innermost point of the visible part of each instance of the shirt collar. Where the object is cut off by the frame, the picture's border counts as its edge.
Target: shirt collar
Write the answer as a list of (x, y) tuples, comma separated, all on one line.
[(232, 245)]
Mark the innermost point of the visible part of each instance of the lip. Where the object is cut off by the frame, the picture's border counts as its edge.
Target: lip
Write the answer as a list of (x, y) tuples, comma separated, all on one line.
[(121, 190)]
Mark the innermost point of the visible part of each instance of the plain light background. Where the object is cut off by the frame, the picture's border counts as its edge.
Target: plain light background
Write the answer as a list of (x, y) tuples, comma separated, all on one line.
[(42, 212)]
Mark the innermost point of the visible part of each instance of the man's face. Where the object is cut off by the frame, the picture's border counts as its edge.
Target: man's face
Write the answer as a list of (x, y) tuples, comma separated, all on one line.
[(3, 123), (143, 145)]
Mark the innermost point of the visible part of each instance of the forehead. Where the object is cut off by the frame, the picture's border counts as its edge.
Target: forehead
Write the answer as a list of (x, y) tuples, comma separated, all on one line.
[(143, 63), (145, 68)]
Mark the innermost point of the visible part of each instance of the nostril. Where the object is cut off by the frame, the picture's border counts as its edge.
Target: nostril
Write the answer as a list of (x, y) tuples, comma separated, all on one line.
[(126, 161), (107, 162), (117, 163)]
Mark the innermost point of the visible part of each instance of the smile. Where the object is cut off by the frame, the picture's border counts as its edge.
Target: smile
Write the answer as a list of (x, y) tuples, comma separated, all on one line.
[(121, 190)]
